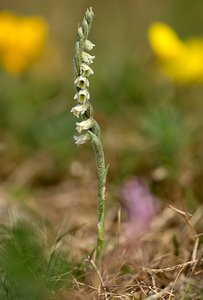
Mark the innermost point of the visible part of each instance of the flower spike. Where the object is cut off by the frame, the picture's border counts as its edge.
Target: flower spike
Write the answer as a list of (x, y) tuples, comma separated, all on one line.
[(88, 126)]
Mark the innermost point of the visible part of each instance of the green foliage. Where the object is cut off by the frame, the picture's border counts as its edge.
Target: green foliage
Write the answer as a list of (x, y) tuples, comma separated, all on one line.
[(27, 269), (34, 114), (193, 291), (127, 269), (125, 85), (176, 245), (53, 134), (165, 132)]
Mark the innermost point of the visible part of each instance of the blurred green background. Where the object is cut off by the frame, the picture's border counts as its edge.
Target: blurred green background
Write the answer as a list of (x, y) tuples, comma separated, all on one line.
[(151, 126)]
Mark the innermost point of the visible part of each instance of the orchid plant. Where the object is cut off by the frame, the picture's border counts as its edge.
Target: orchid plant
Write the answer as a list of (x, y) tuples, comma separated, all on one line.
[(88, 128)]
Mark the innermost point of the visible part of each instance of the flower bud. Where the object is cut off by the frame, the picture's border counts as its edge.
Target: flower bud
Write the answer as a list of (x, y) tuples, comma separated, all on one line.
[(89, 14), (85, 25), (80, 32)]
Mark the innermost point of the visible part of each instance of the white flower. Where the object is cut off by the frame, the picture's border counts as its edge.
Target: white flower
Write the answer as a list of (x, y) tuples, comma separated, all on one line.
[(86, 70), (82, 96), (82, 82), (84, 125), (79, 109), (89, 45), (87, 58), (82, 139)]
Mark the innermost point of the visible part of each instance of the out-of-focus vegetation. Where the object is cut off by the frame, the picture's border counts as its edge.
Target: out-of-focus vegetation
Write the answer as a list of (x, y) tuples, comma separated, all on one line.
[(21, 40), (147, 92), (128, 80), (30, 268), (181, 60)]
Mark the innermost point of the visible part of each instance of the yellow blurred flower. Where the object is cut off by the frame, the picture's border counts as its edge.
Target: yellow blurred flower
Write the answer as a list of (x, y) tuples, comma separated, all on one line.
[(21, 40), (182, 61)]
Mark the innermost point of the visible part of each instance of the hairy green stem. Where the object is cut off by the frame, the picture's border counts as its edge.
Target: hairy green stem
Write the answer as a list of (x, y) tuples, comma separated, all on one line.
[(101, 173)]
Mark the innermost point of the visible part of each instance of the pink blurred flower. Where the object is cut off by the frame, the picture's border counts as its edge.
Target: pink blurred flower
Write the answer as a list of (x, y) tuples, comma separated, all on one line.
[(141, 206)]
